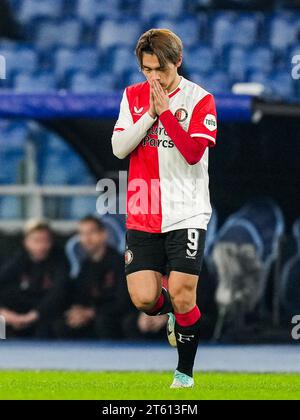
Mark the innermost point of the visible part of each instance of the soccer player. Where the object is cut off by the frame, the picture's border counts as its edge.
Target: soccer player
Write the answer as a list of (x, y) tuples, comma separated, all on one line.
[(166, 125)]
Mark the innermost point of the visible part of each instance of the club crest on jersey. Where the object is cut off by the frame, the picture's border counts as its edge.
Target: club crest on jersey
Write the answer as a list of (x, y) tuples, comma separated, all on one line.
[(181, 114), (210, 122), (128, 256)]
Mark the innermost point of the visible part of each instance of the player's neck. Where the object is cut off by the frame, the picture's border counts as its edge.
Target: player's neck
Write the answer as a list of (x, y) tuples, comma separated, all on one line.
[(175, 84)]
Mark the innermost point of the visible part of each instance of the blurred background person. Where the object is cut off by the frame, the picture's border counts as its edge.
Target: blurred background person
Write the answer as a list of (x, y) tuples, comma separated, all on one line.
[(32, 284), (98, 290)]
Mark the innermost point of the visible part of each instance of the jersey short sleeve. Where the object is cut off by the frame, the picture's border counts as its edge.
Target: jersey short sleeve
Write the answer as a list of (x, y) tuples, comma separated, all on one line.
[(203, 122), (124, 119)]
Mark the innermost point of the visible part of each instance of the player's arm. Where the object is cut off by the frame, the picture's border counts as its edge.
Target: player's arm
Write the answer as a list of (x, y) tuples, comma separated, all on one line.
[(127, 135), (193, 143), (191, 148)]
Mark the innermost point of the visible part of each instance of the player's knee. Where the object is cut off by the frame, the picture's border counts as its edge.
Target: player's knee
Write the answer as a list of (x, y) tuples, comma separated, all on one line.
[(183, 301), (143, 303)]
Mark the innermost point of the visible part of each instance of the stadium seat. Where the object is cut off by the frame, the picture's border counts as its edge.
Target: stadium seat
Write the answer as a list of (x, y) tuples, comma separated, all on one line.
[(116, 33), (18, 58), (296, 233), (267, 218), (218, 82), (237, 62), (30, 9), (200, 59), (223, 29), (290, 287), (10, 163), (158, 8), (70, 33), (122, 60), (282, 32), (10, 208), (46, 34), (245, 31), (13, 136), (35, 83), (91, 10), (260, 59), (187, 28), (85, 83), (66, 60), (81, 207), (281, 83)]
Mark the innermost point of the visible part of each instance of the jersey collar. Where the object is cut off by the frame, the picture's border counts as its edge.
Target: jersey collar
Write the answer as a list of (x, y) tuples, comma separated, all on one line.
[(173, 93)]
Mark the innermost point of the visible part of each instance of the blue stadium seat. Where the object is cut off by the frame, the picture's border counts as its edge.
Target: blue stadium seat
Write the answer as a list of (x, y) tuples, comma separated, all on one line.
[(122, 60), (54, 166), (81, 207), (35, 83), (85, 83), (260, 59), (47, 34), (259, 77), (91, 10), (283, 31), (200, 78), (290, 286), (267, 218), (223, 29), (70, 33), (281, 84), (187, 28), (245, 31), (10, 208), (30, 9), (116, 33), (237, 62), (200, 59), (296, 233), (66, 60), (20, 58), (13, 136), (218, 82), (158, 8), (10, 163)]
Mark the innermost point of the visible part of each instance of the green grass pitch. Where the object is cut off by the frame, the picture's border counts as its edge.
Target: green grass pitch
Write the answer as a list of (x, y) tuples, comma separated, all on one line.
[(61, 385)]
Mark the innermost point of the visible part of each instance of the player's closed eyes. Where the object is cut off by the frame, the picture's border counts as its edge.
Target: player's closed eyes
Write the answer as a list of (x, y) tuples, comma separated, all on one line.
[(148, 71)]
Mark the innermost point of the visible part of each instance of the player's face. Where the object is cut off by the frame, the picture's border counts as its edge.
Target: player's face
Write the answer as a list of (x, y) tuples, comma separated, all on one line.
[(91, 237), (38, 244), (152, 70)]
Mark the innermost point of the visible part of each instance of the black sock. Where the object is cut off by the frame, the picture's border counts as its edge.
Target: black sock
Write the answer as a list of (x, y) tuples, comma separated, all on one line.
[(187, 344), (165, 307)]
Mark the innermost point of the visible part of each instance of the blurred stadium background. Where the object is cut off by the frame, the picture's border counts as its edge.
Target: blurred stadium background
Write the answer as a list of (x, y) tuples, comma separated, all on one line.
[(67, 63)]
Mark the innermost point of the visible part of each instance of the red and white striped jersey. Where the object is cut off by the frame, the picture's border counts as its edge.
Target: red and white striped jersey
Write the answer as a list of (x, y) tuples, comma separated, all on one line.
[(165, 193)]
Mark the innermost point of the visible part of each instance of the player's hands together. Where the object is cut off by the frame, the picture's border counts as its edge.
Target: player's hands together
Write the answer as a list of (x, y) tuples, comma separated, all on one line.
[(152, 110), (160, 97)]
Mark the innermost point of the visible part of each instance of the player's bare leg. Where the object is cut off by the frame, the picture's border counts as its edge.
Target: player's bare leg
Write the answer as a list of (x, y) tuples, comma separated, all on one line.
[(182, 289), (147, 294)]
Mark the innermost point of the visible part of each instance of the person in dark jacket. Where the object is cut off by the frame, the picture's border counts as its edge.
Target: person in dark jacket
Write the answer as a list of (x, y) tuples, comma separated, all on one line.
[(98, 300), (32, 284)]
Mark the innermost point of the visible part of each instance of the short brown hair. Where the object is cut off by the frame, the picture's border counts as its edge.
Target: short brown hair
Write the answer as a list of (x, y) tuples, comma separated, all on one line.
[(35, 225), (93, 219), (166, 45)]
